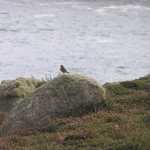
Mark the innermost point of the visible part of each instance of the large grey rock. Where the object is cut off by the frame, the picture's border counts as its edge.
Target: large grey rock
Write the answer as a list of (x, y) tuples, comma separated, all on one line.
[(68, 94)]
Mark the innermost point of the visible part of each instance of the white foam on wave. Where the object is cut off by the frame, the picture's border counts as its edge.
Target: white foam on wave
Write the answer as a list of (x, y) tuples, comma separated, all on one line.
[(65, 3), (122, 8), (101, 39), (43, 4), (81, 7), (43, 15), (105, 40)]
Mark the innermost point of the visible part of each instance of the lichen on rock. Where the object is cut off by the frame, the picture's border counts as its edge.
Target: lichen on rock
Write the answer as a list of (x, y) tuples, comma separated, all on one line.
[(12, 91), (19, 87)]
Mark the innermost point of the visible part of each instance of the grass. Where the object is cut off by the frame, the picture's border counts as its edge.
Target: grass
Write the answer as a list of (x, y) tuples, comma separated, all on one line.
[(116, 89), (101, 130), (122, 124)]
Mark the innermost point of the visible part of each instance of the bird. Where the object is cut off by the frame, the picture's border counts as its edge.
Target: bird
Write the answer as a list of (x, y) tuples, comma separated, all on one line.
[(63, 69)]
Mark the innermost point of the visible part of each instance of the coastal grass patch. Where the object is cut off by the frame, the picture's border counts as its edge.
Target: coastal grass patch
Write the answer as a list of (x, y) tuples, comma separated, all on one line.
[(133, 99), (127, 94), (136, 84), (115, 89), (121, 121), (101, 130)]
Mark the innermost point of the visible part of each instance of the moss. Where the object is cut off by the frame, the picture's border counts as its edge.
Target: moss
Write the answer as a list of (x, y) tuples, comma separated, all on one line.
[(127, 94), (80, 94), (115, 89), (12, 91), (70, 84), (20, 87), (136, 84), (128, 87)]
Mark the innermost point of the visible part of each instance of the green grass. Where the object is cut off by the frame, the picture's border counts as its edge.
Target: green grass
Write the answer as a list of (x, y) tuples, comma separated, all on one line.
[(116, 89), (101, 130), (120, 122)]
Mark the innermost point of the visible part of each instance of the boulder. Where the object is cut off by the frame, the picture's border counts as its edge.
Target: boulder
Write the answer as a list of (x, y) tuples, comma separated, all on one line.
[(13, 90), (65, 95)]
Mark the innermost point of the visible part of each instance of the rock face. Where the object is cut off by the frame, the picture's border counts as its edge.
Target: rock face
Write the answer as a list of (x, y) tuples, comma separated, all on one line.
[(65, 95)]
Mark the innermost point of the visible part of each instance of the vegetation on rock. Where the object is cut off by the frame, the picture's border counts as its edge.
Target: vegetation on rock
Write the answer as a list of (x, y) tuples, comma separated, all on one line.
[(20, 87), (12, 91), (124, 124), (65, 95)]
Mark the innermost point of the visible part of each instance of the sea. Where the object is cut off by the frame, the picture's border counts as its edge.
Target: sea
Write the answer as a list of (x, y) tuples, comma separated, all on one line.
[(108, 40)]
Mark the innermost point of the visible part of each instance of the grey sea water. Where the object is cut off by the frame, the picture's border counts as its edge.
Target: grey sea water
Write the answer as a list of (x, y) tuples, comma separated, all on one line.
[(106, 39)]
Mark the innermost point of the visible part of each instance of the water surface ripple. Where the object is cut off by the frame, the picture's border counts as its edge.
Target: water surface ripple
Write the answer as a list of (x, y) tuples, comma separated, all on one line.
[(108, 40)]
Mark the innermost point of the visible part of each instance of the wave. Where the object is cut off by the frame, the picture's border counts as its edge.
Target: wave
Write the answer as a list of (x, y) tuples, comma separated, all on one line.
[(43, 15), (81, 7), (4, 13), (123, 8), (9, 30), (43, 4)]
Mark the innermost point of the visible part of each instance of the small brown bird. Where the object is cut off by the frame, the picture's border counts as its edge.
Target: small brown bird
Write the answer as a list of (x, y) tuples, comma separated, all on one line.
[(63, 69)]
